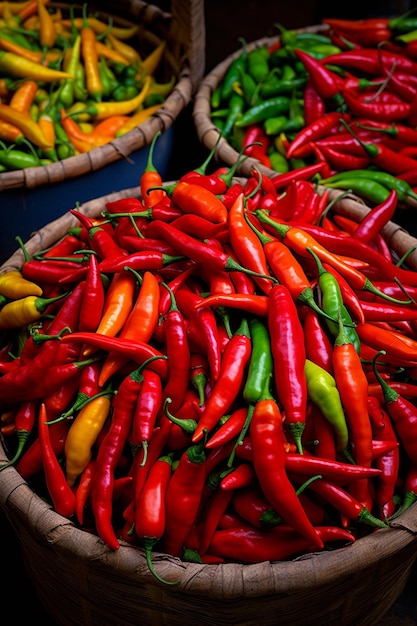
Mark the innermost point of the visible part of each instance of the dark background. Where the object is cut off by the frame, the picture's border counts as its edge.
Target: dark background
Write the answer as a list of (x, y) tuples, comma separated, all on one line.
[(226, 22)]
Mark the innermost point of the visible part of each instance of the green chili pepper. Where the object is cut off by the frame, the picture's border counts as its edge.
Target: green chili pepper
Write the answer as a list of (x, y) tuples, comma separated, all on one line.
[(236, 107), (249, 87), (281, 124), (261, 362), (278, 162), (323, 392), (364, 187), (260, 371), (233, 72), (257, 63), (18, 159), (279, 86), (262, 111), (403, 189), (332, 303)]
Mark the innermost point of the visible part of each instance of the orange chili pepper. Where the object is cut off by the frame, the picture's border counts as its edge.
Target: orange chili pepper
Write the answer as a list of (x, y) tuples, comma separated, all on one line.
[(47, 32), (24, 96), (90, 57), (140, 324)]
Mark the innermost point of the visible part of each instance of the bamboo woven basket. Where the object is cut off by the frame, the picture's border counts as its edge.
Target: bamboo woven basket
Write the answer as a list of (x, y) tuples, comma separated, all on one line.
[(30, 197), (81, 582), (208, 133)]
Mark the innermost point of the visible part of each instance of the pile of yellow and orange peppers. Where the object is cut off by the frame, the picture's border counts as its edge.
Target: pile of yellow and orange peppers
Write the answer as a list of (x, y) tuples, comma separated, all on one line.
[(70, 83)]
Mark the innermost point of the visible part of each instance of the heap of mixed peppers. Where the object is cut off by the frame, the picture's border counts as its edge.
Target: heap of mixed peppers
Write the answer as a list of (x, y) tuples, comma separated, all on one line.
[(220, 369), (342, 99), (72, 83)]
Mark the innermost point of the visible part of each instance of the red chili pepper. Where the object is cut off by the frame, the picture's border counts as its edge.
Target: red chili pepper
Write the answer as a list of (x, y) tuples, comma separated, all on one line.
[(253, 545), (246, 244), (318, 346), (388, 463), (410, 492), (234, 360), (215, 508), (352, 384), (99, 238), (240, 476), (324, 80), (302, 173), (268, 449), (183, 498), (255, 304), (206, 325), (342, 161), (24, 422), (93, 298), (346, 504), (109, 454), (196, 249), (83, 491), (178, 353), (137, 351), (377, 111), (403, 414), (336, 471), (62, 496), (317, 129), (148, 404), (288, 350), (314, 104), (150, 520), (369, 60), (385, 339)]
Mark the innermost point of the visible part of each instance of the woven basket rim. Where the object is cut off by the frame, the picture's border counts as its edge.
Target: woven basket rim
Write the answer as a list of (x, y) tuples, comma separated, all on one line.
[(190, 73)]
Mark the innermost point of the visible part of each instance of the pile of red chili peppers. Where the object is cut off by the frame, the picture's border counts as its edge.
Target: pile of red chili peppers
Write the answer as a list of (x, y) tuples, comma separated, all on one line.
[(220, 369), (342, 99)]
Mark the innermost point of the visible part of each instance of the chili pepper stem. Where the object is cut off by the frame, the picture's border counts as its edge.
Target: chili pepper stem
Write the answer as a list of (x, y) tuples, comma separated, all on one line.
[(148, 543)]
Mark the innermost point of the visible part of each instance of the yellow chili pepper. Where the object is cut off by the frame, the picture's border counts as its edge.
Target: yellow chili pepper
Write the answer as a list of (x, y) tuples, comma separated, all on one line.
[(13, 286), (16, 65), (13, 7), (131, 55), (83, 433), (26, 125), (100, 27), (153, 59), (25, 311), (138, 119), (110, 53), (47, 32), (101, 110)]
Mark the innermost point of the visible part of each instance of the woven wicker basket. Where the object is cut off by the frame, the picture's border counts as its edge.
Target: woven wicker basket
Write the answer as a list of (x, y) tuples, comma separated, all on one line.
[(31, 196), (208, 133), (80, 581)]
